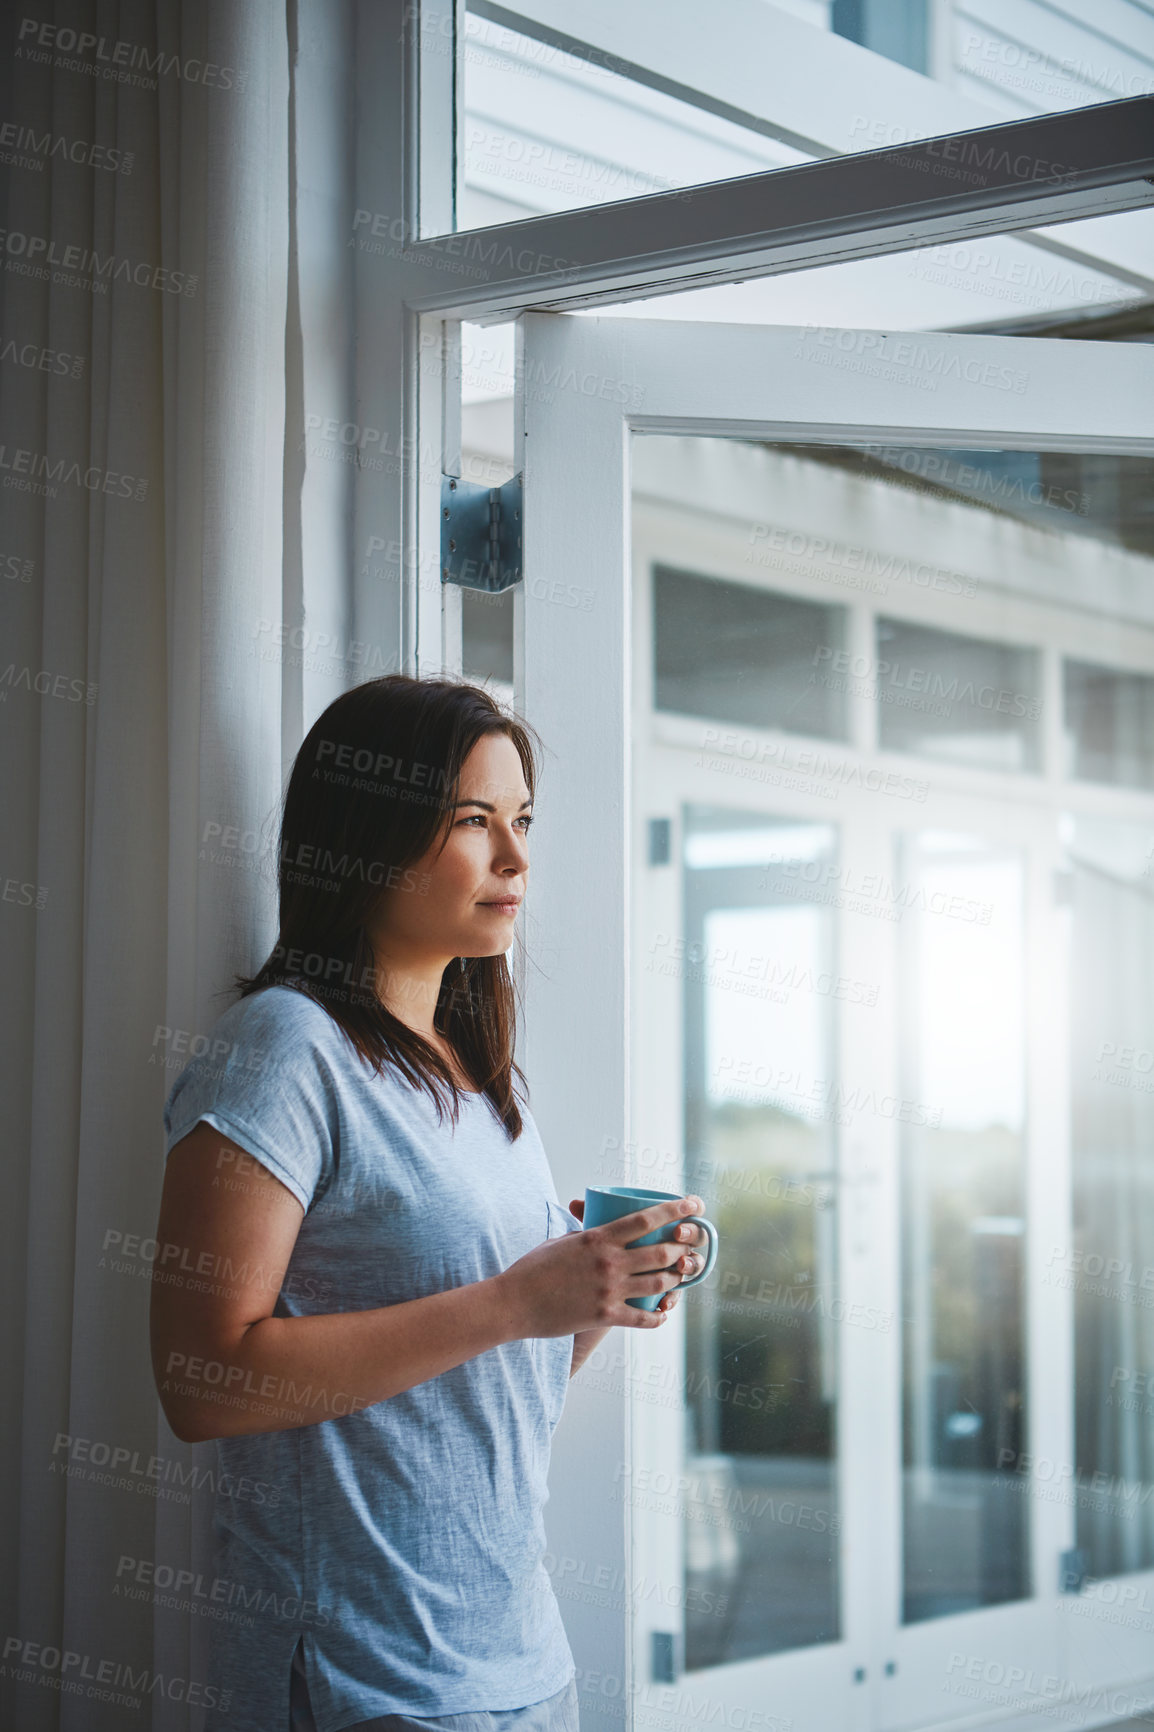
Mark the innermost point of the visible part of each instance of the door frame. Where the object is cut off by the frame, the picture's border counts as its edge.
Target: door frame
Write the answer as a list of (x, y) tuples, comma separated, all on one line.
[(607, 380)]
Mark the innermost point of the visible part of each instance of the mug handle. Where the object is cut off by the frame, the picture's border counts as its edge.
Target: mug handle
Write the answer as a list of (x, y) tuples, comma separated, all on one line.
[(711, 1255)]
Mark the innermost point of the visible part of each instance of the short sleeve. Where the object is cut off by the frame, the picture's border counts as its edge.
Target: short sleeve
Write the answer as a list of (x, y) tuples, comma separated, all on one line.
[(266, 1082)]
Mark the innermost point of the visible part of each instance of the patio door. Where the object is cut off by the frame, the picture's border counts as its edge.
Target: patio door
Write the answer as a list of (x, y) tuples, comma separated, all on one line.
[(840, 645)]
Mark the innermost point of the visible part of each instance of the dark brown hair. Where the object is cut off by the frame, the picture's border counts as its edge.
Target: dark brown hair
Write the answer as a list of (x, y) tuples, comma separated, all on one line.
[(371, 791)]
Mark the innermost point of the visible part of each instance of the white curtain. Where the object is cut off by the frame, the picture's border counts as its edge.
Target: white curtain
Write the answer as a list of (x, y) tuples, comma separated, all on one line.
[(170, 556)]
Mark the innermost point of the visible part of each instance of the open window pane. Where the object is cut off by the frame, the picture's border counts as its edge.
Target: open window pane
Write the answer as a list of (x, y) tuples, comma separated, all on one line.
[(548, 131), (634, 103), (939, 595), (890, 1004)]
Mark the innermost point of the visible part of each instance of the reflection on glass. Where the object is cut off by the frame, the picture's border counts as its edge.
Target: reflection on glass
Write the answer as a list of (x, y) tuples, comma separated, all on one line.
[(1089, 495), (963, 1229), (761, 1371), (736, 653), (962, 699), (1110, 725), (1110, 1263)]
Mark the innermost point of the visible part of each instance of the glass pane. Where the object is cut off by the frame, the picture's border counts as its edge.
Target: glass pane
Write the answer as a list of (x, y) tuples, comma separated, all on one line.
[(924, 579), (487, 635), (1110, 725), (543, 128), (963, 1227), (800, 855), (897, 29), (962, 699), (1109, 1263), (1031, 59), (739, 654), (760, 1150)]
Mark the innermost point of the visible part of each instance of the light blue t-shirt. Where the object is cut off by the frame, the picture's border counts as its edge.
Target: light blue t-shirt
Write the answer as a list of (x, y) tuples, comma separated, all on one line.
[(404, 1541)]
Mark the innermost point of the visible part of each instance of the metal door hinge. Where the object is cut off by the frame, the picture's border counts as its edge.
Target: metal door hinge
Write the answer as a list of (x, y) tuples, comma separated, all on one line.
[(480, 534)]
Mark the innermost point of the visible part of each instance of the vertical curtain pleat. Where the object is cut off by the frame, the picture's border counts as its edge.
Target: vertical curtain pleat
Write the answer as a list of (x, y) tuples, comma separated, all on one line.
[(151, 561)]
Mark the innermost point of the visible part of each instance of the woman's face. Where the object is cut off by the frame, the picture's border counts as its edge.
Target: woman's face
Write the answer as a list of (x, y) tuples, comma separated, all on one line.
[(473, 886)]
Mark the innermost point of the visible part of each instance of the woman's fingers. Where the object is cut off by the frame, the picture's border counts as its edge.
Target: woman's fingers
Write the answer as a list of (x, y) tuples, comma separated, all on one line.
[(583, 1280), (689, 1233), (650, 1319), (667, 1254), (644, 1221), (665, 1282), (652, 1281), (664, 1255)]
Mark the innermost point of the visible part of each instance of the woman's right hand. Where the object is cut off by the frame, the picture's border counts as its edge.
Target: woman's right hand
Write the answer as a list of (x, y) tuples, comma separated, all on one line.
[(582, 1280)]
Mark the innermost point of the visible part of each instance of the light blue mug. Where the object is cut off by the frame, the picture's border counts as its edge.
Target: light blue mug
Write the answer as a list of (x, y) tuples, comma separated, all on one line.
[(605, 1203)]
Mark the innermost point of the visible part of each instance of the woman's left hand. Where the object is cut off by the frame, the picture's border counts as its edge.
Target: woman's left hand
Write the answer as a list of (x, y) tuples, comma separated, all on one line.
[(687, 1232)]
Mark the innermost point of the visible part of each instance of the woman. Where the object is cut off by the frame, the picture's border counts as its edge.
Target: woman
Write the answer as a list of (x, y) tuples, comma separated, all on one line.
[(367, 1290)]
